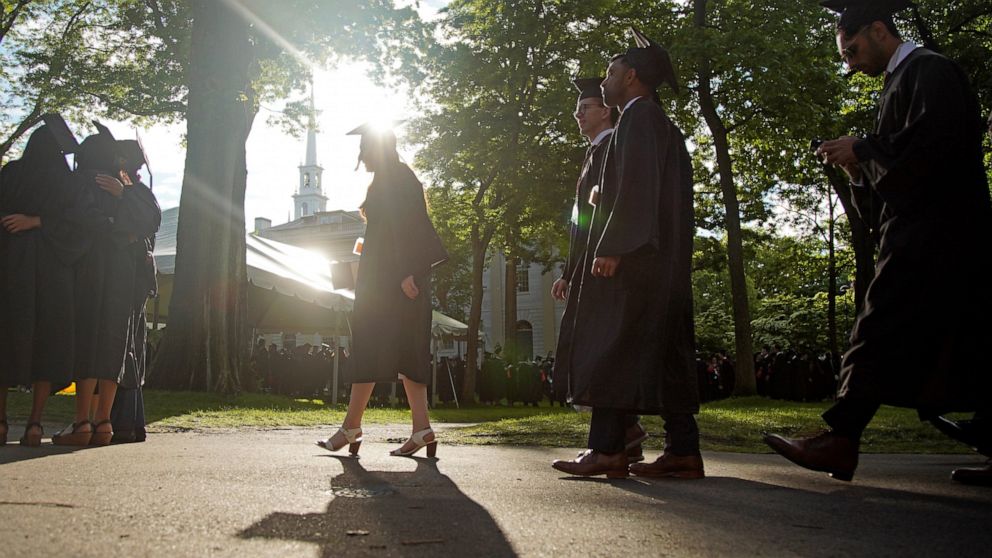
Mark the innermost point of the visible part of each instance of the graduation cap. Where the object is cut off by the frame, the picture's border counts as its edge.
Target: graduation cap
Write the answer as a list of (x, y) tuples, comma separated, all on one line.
[(63, 135), (588, 87), (652, 62), (859, 13), (99, 151), (102, 130), (376, 133)]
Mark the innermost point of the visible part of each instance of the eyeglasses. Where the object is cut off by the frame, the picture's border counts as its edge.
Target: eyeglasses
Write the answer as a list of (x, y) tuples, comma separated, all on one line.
[(851, 50), (582, 109)]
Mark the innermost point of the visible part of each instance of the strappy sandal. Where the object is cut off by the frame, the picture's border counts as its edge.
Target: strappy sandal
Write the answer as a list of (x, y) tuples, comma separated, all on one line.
[(419, 442), (75, 437), (102, 438), (352, 438), (32, 440)]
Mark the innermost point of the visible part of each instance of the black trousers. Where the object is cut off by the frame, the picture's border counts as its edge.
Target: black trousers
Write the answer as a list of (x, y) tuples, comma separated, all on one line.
[(608, 426), (849, 416)]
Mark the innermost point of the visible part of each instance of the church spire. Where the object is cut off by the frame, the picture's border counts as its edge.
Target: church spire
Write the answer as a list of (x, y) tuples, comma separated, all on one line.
[(309, 198), (311, 160)]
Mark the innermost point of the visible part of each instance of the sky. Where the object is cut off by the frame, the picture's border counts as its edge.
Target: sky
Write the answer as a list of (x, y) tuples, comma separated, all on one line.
[(274, 156)]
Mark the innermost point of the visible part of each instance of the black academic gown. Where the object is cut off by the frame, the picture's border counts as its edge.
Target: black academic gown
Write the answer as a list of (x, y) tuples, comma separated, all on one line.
[(633, 342), (36, 278), (575, 268), (928, 306), (391, 334), (106, 278)]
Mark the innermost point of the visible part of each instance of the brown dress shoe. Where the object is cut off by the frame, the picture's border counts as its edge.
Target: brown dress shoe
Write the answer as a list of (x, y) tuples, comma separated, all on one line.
[(672, 467), (980, 476), (828, 452), (592, 463)]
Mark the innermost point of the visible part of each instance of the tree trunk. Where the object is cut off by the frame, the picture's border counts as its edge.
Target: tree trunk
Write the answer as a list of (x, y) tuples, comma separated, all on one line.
[(206, 344), (735, 248), (479, 246), (861, 237)]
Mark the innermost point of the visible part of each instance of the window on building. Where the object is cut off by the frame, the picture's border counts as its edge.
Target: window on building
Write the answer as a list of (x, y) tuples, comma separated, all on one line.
[(305, 211), (306, 179), (523, 278), (448, 343)]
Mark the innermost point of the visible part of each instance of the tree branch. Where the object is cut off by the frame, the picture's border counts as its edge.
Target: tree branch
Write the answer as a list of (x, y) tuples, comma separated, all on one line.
[(8, 22)]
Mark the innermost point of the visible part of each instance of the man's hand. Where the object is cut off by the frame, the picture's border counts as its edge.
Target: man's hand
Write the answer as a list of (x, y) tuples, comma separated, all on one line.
[(839, 151), (409, 287), (559, 290), (605, 266), (111, 185), (18, 223)]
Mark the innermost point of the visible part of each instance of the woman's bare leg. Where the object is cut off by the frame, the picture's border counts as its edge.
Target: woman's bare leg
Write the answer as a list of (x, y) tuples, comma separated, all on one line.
[(39, 396), (84, 399), (416, 394), (108, 391), (360, 394), (359, 400)]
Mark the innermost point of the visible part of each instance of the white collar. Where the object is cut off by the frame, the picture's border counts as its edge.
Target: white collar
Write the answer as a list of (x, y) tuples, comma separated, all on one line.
[(600, 137), (902, 51), (630, 102)]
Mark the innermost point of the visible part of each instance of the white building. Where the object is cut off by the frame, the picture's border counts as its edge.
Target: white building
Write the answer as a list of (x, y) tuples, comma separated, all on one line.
[(538, 314)]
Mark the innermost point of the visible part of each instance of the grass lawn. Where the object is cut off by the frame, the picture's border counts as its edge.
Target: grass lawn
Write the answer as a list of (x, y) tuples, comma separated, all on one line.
[(729, 425)]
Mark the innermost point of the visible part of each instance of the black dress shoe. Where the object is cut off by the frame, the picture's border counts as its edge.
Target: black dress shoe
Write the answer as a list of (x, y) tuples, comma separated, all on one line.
[(976, 434), (980, 476), (828, 452)]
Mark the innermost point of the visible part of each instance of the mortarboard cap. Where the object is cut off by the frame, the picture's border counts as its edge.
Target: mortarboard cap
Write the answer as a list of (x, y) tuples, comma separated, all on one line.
[(651, 61), (858, 13), (63, 135), (588, 87), (103, 130)]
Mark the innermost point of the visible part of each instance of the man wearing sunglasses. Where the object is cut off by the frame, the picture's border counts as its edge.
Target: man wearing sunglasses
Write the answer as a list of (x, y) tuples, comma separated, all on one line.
[(929, 301)]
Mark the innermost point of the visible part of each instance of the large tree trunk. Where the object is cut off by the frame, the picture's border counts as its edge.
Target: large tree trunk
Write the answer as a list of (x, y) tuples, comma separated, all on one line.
[(206, 344), (735, 247)]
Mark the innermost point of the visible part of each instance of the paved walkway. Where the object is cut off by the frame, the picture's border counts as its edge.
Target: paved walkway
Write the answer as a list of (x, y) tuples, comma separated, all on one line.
[(272, 493)]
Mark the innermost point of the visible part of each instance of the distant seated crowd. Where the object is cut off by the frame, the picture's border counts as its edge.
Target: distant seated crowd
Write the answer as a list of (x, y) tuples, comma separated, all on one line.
[(308, 371)]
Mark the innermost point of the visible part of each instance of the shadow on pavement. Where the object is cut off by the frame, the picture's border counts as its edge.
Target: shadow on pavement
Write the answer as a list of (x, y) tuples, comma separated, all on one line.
[(847, 520), (410, 513), (14, 451)]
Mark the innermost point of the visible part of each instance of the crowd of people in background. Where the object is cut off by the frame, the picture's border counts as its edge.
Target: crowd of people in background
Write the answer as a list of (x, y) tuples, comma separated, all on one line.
[(308, 371)]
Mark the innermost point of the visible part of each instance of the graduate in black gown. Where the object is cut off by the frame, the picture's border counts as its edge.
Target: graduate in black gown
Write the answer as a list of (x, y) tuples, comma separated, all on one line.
[(391, 318), (596, 122), (929, 303), (123, 214), (39, 243), (632, 350), (128, 413)]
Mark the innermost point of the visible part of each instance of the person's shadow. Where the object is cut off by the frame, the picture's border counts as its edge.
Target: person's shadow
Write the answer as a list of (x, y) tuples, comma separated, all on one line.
[(420, 512)]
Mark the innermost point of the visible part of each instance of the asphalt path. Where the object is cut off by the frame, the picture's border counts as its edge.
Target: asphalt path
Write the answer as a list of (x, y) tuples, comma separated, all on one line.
[(273, 493)]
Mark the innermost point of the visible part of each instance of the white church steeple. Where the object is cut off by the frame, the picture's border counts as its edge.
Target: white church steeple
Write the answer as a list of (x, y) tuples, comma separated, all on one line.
[(310, 198)]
